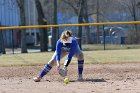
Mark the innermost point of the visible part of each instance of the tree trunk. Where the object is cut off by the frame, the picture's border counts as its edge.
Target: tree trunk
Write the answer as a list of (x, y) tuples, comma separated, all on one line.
[(55, 32), (23, 23), (2, 47), (97, 19), (80, 20), (136, 38), (86, 20), (43, 31)]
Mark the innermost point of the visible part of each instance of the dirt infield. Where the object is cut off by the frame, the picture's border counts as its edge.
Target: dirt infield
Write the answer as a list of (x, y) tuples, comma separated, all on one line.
[(98, 78)]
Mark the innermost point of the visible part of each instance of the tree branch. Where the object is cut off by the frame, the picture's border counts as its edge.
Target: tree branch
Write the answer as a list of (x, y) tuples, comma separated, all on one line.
[(71, 5)]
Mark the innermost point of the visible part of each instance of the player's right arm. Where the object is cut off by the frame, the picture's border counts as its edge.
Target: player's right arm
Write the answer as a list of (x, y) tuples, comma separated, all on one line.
[(58, 52)]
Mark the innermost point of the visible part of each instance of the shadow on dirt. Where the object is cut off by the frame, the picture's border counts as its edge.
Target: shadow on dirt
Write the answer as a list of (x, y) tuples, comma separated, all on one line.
[(95, 80), (90, 80)]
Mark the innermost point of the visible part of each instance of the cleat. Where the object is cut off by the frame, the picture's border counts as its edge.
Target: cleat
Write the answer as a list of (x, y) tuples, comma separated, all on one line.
[(80, 78), (37, 79)]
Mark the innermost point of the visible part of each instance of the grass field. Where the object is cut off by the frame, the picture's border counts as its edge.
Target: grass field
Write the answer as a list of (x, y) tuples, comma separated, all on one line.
[(93, 57), (91, 47)]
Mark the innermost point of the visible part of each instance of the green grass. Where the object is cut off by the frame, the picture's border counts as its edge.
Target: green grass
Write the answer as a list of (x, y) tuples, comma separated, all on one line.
[(113, 56), (91, 47), (108, 56)]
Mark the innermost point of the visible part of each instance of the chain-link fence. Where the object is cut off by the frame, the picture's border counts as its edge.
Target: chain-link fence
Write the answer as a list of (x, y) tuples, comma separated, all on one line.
[(39, 38)]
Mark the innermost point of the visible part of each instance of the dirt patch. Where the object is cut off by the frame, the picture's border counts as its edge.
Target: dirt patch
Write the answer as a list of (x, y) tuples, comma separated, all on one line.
[(98, 78)]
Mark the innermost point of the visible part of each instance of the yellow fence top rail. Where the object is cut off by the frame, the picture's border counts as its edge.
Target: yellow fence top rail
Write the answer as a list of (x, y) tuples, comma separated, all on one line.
[(63, 25)]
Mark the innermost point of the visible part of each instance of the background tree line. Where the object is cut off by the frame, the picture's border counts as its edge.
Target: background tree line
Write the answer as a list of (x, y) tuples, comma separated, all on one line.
[(100, 10)]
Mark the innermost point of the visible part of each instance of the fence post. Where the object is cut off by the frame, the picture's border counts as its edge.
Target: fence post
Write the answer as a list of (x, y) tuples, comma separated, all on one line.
[(12, 41), (104, 35)]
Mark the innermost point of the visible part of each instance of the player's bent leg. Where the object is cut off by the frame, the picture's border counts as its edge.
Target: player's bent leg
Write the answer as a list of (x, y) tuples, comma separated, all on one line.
[(45, 70), (80, 69), (80, 66)]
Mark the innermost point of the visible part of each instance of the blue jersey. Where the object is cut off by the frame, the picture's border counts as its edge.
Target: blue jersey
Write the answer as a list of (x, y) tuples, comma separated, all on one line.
[(71, 49)]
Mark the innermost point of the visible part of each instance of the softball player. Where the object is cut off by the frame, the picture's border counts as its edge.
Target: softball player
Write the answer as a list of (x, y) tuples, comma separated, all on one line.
[(66, 45)]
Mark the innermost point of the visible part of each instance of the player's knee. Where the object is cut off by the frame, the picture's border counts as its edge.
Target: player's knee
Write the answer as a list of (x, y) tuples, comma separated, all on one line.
[(81, 56), (51, 62)]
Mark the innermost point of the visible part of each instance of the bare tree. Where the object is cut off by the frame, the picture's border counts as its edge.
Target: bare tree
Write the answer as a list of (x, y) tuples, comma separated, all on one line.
[(86, 16), (97, 18), (131, 6), (21, 6), (43, 31), (55, 32), (80, 8), (80, 20)]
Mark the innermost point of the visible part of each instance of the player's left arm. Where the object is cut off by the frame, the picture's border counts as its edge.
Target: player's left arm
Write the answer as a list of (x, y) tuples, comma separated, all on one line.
[(71, 53)]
